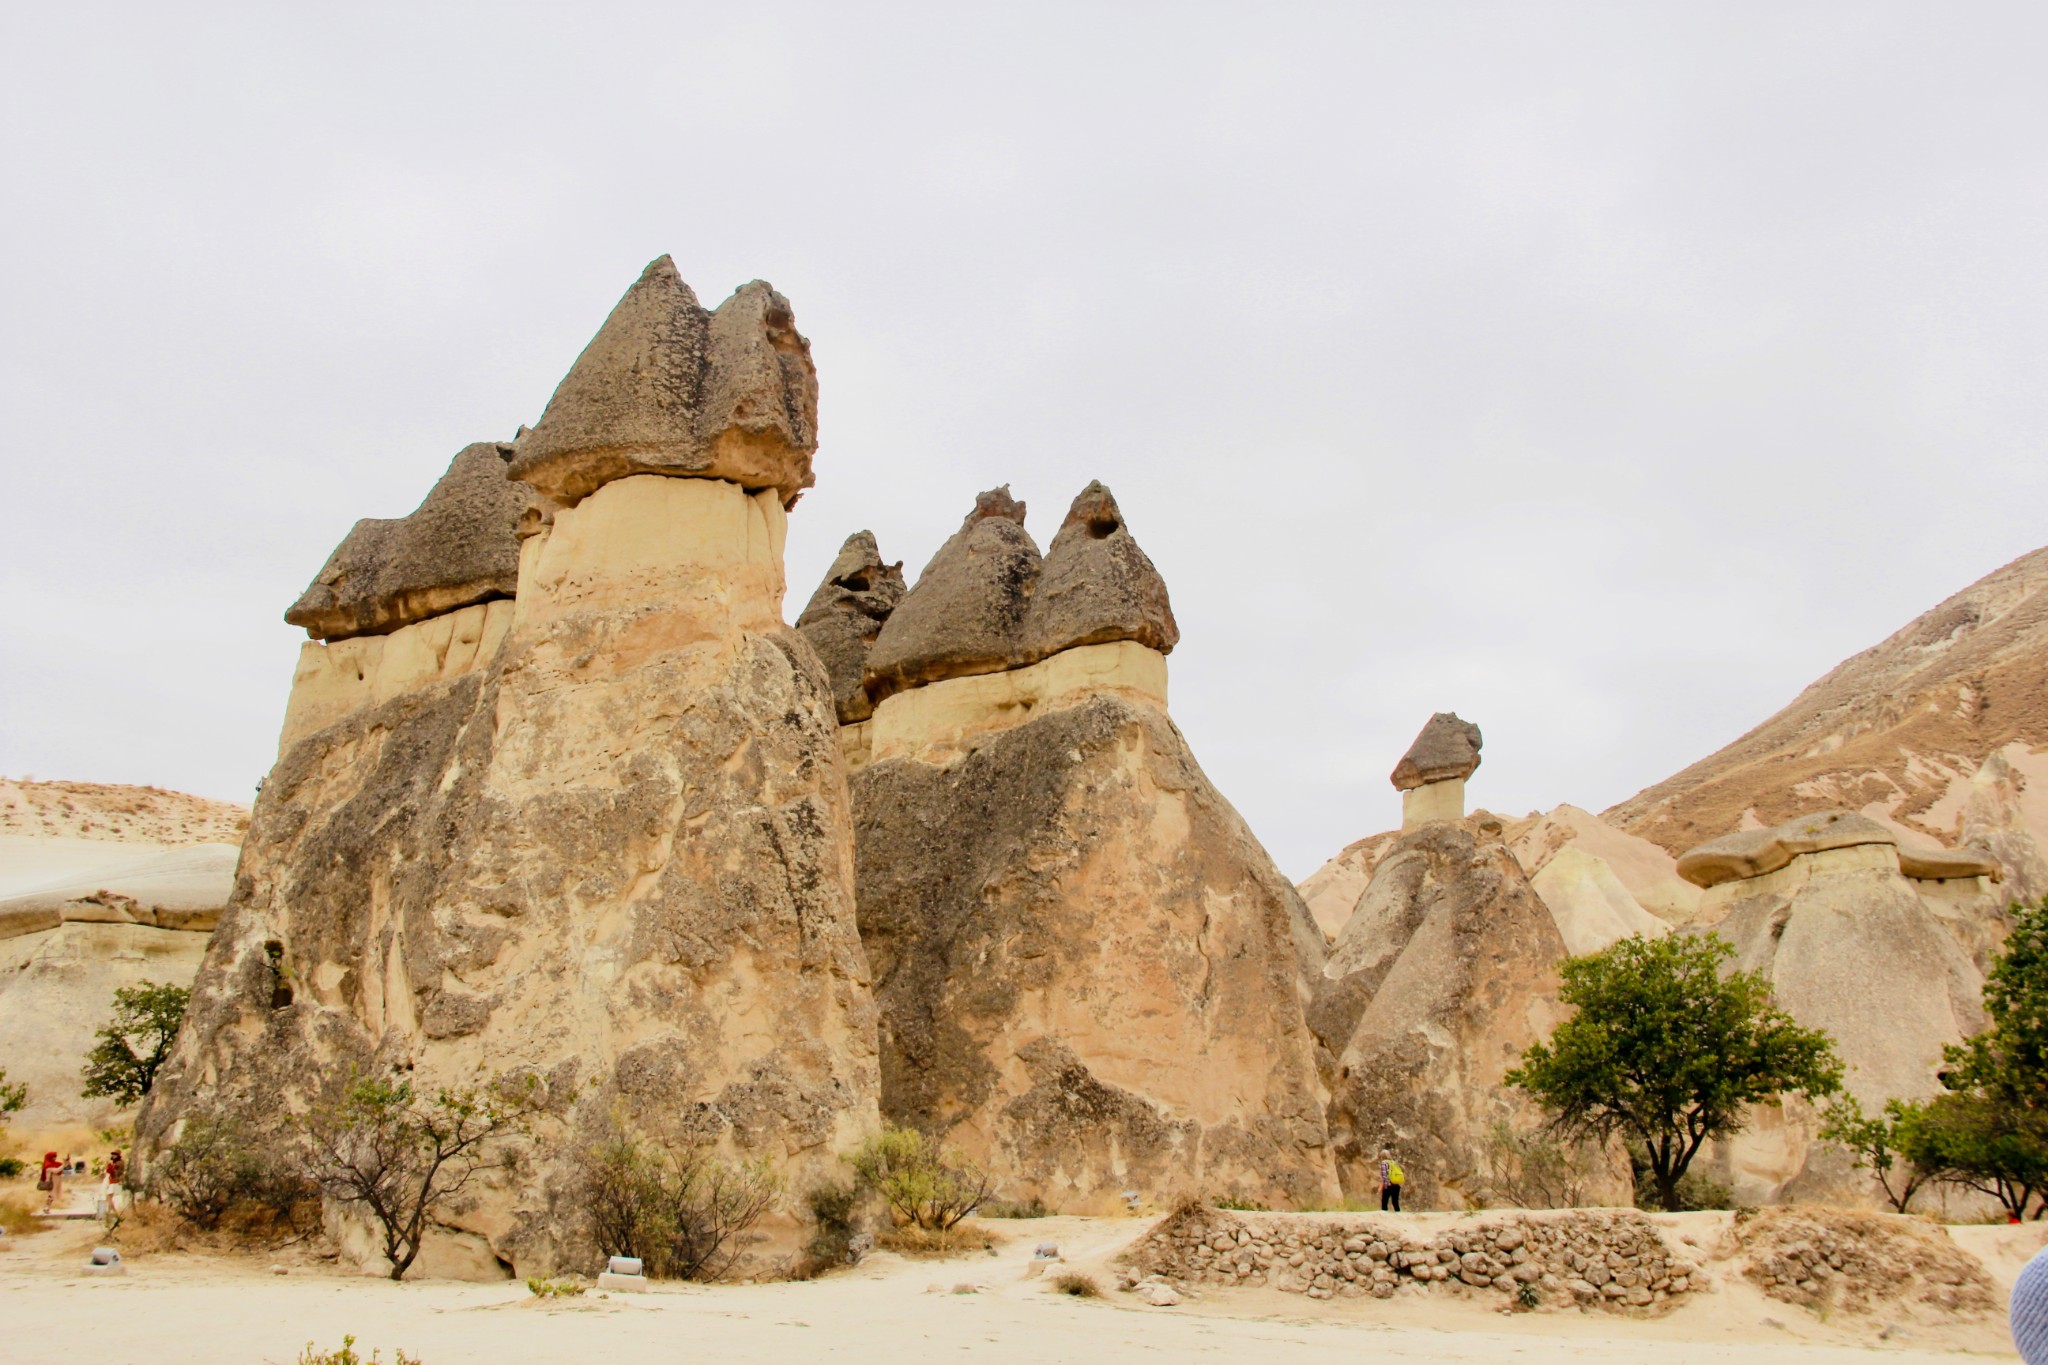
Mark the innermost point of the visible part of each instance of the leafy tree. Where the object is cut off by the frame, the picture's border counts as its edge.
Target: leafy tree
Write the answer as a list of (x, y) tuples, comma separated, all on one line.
[(1664, 1051), (1972, 1140), (13, 1095), (1891, 1145), (123, 1063), (924, 1184), (399, 1155), (682, 1210)]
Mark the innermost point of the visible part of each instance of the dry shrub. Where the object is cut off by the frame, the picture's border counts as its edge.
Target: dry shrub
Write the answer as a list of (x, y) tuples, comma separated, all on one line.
[(220, 1177), (18, 1217), (683, 1211), (908, 1239), (1080, 1286)]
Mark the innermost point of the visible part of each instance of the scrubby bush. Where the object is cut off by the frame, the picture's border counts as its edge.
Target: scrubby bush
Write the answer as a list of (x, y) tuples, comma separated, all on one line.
[(924, 1185), (1535, 1170), (836, 1238), (682, 1211), (555, 1289), (1034, 1207), (217, 1165), (1080, 1286), (347, 1356)]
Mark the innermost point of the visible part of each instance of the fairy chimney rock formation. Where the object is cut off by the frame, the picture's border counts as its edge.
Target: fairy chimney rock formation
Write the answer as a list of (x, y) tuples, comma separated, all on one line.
[(1431, 775), (841, 621), (403, 601), (1090, 974), (612, 854), (1881, 945), (668, 388)]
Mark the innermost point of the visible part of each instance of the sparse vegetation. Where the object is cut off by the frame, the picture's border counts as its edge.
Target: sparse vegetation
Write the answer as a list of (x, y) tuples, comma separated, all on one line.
[(925, 1186), (1534, 1170), (17, 1218), (1034, 1207), (683, 1212), (835, 1226), (1080, 1286), (1665, 1052), (1878, 1144), (398, 1155), (1238, 1204), (347, 1356), (13, 1098), (134, 1043), (216, 1165), (555, 1289)]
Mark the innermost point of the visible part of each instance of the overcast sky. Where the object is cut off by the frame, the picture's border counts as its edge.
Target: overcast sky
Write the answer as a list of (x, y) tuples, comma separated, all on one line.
[(1606, 373)]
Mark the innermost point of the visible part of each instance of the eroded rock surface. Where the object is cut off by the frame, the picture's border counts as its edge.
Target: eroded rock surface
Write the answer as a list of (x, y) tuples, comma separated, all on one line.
[(460, 546), (1446, 750), (965, 614), (666, 387), (845, 615), (1097, 585)]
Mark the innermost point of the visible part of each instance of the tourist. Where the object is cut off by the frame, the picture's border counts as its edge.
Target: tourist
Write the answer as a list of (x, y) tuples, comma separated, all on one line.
[(1392, 1177), (51, 1181)]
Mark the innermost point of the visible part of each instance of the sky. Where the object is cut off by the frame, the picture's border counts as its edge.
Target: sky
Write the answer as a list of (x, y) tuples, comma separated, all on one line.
[(1605, 373)]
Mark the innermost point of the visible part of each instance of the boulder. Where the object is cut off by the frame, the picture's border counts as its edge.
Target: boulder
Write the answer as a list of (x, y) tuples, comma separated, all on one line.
[(1097, 585), (668, 388), (845, 615), (458, 547), (614, 857), (965, 615), (1446, 750)]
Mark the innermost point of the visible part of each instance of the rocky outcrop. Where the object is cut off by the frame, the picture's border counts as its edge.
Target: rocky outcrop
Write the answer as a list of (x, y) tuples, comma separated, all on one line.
[(1896, 733), (668, 388), (1090, 975), (1824, 909), (2006, 816), (1446, 750), (845, 615), (612, 854), (458, 548), (1444, 974), (1097, 586)]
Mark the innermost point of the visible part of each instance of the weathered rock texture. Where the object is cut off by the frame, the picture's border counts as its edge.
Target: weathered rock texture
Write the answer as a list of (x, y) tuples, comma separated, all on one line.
[(1090, 974), (1591, 1258), (615, 856), (1446, 750), (460, 546), (1896, 733), (1444, 974), (668, 388), (2006, 816), (1849, 944), (845, 615)]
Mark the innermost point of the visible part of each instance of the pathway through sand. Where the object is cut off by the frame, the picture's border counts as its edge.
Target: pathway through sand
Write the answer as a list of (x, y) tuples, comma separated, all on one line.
[(174, 1309)]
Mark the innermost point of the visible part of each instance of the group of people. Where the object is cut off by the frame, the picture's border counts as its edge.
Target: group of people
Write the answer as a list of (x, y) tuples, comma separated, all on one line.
[(57, 1171)]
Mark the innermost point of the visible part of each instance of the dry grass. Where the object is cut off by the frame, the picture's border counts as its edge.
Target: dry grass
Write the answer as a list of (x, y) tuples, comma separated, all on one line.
[(1080, 1286), (920, 1244), (17, 1216)]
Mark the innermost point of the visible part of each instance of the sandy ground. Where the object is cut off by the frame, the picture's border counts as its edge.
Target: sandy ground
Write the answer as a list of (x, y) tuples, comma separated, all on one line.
[(177, 1308)]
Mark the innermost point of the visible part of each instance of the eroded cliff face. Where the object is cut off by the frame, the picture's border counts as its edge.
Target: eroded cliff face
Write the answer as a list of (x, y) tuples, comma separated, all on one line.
[(613, 853), (1091, 976)]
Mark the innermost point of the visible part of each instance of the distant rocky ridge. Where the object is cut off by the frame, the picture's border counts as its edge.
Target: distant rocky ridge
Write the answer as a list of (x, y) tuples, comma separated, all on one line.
[(116, 813)]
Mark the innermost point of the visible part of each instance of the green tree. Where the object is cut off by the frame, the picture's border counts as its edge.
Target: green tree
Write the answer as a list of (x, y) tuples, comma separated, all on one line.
[(1891, 1145), (1665, 1052), (924, 1184), (680, 1209), (398, 1155), (123, 1063), (13, 1095)]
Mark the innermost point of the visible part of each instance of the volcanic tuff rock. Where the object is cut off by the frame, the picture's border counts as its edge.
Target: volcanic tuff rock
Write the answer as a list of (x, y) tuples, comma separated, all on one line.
[(2006, 816), (1754, 852), (613, 854), (1446, 972), (1897, 732), (1446, 749), (1090, 974), (458, 547), (845, 615), (667, 388), (965, 614)]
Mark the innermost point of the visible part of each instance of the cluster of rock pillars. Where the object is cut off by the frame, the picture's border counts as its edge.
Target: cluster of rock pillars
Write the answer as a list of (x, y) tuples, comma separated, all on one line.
[(560, 795)]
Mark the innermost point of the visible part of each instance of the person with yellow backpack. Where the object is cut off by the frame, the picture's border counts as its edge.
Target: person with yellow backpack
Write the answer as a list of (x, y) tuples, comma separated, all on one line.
[(1392, 1178)]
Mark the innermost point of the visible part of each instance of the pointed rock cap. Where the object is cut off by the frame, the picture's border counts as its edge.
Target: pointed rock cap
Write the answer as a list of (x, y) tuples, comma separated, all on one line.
[(1755, 852), (1097, 585), (668, 388), (845, 615), (1447, 748), (459, 547), (966, 613)]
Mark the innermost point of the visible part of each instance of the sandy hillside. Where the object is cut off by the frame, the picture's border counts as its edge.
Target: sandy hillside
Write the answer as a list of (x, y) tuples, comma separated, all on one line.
[(58, 832), (180, 1308), (1896, 731)]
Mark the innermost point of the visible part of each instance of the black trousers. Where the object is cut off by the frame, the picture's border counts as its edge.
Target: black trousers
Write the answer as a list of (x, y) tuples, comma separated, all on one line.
[(1390, 1198)]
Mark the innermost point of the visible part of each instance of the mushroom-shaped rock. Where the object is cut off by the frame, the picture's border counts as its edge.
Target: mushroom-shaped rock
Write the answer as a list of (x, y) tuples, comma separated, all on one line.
[(1754, 852), (1097, 585), (845, 615), (1447, 749), (459, 547), (1949, 864), (965, 615), (668, 388)]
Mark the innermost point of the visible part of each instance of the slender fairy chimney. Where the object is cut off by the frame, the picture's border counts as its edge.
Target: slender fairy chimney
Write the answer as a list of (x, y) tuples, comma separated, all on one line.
[(1431, 775)]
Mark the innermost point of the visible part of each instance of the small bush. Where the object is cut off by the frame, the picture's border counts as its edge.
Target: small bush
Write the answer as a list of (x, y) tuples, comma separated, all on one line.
[(684, 1213), (908, 1239), (18, 1219), (347, 1356), (10, 1167), (924, 1185), (1034, 1207), (555, 1289), (1080, 1286), (1696, 1192), (835, 1231), (217, 1165), (1238, 1204)]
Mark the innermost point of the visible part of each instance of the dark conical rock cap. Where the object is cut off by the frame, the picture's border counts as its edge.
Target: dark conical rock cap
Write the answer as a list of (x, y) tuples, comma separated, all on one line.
[(845, 615), (667, 388), (1447, 748), (459, 547), (966, 613), (1098, 585)]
